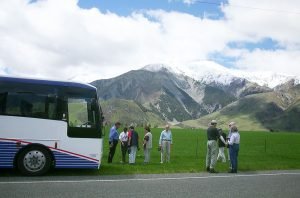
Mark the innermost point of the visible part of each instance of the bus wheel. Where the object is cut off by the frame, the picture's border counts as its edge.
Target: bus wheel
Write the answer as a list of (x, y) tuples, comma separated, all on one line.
[(34, 161)]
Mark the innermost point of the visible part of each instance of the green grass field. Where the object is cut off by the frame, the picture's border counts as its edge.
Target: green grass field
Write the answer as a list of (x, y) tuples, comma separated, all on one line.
[(258, 151)]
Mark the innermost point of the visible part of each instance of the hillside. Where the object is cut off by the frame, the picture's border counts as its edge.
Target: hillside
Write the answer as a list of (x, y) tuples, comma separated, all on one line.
[(158, 94), (272, 111), (129, 112), (173, 96), (156, 91)]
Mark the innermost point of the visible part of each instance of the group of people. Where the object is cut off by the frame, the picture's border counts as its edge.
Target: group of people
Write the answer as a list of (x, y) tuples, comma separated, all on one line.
[(232, 142), (129, 140), (217, 141)]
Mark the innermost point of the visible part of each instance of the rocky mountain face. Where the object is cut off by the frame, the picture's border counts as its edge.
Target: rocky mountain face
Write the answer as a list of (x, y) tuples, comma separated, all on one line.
[(276, 110), (174, 96), (160, 92)]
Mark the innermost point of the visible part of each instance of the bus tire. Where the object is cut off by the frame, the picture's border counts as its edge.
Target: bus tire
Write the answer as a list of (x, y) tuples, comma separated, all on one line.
[(34, 161)]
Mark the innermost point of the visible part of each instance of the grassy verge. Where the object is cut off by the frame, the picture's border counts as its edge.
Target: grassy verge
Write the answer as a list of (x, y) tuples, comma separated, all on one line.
[(258, 151)]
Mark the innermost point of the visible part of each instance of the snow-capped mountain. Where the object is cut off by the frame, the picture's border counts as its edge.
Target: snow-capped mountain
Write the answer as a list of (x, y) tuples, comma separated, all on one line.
[(175, 94), (210, 72)]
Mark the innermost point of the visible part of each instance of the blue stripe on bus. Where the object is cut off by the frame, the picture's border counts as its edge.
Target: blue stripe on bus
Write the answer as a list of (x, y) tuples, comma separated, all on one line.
[(78, 166), (6, 166), (8, 151), (63, 160)]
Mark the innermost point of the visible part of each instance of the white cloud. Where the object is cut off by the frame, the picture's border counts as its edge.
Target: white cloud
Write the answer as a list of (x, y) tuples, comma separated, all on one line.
[(281, 61), (257, 19), (58, 39), (188, 2), (260, 19)]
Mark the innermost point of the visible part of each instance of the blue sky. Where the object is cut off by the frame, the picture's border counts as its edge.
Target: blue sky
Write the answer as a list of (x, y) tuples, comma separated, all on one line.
[(126, 7), (87, 40)]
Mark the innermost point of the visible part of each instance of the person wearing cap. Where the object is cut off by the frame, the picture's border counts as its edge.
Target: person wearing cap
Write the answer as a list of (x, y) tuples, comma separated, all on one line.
[(234, 148), (165, 142), (221, 154), (113, 141), (212, 149), (147, 144), (133, 144)]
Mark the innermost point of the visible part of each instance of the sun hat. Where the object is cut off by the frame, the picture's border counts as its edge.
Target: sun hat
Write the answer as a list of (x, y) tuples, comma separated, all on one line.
[(231, 124), (213, 122)]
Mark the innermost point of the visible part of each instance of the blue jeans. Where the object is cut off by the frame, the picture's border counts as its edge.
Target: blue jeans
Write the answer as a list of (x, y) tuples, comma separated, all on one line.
[(234, 151)]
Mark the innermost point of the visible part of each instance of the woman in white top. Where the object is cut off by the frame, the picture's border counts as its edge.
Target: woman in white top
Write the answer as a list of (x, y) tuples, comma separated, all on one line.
[(123, 137), (234, 148)]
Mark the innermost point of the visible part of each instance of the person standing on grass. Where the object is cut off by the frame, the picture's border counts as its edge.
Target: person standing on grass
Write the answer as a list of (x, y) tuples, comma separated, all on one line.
[(230, 125), (113, 141), (221, 154), (165, 142), (147, 144), (234, 148), (133, 144), (124, 143), (212, 148)]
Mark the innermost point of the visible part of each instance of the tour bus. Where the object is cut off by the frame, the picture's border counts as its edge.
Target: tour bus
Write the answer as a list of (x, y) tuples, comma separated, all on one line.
[(46, 124)]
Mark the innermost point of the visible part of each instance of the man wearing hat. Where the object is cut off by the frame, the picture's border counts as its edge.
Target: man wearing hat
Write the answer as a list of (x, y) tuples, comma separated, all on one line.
[(212, 148)]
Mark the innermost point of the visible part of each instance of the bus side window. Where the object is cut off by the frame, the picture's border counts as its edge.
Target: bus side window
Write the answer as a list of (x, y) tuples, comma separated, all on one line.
[(26, 108), (31, 105), (2, 102)]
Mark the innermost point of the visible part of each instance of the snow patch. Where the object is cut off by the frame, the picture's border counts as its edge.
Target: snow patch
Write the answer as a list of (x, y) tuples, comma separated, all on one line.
[(210, 72)]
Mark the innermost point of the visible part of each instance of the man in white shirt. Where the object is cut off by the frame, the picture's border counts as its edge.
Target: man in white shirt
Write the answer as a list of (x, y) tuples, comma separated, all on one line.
[(123, 137), (147, 144), (165, 142), (234, 148), (230, 125)]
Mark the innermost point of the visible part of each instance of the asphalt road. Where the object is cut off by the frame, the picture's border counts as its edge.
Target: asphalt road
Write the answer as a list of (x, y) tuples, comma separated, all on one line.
[(259, 184)]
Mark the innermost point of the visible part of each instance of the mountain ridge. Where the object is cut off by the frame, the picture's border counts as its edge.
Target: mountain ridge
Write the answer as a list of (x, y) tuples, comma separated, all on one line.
[(175, 97)]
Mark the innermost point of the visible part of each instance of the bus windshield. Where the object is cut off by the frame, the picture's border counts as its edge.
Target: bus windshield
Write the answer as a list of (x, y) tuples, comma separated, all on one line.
[(82, 112)]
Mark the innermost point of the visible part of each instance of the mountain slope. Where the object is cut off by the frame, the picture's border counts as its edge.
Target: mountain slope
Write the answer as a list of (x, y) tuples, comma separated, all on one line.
[(272, 111), (157, 91), (170, 95), (162, 92), (129, 112)]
